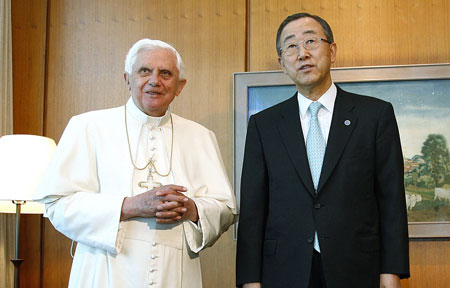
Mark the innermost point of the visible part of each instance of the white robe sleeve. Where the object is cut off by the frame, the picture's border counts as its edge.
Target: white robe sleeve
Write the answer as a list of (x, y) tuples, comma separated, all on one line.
[(71, 191), (212, 192)]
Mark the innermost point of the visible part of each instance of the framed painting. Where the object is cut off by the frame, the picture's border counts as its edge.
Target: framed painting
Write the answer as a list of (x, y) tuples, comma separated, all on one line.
[(420, 95)]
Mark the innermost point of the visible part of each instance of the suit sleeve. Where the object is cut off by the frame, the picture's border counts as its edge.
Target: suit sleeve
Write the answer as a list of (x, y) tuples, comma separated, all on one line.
[(391, 197), (253, 209)]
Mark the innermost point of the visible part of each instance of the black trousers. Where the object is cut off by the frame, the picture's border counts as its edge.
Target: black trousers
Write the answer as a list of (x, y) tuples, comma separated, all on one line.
[(317, 278)]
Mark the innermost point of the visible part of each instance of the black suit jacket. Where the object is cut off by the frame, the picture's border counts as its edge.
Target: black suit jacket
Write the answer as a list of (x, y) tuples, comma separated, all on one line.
[(359, 210)]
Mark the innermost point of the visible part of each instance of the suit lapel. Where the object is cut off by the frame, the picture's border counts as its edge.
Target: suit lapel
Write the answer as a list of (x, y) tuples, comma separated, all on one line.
[(292, 136), (343, 122)]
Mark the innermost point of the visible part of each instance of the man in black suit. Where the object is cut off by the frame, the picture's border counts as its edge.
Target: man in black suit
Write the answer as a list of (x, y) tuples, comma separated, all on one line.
[(306, 224)]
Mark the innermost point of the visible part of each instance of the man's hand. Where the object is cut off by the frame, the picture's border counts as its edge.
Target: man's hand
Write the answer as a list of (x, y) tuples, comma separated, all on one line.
[(251, 285), (176, 207), (145, 204), (389, 281)]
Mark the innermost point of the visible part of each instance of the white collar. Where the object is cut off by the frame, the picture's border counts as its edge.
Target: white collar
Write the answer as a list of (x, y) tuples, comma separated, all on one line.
[(143, 118), (327, 100)]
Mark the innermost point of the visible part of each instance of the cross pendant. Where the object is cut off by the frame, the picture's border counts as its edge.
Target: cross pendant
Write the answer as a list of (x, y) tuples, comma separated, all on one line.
[(149, 184)]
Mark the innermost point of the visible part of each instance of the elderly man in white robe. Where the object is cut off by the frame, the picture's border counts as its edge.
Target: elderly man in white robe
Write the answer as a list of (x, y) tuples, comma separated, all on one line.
[(140, 189)]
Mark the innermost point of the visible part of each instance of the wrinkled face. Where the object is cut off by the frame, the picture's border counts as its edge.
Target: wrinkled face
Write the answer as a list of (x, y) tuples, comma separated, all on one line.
[(154, 82), (309, 69)]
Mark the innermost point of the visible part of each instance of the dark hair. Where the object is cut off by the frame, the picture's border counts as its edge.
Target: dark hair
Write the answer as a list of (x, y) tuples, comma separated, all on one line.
[(323, 23)]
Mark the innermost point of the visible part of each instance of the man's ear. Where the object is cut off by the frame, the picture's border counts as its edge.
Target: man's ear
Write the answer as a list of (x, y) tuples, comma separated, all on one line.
[(280, 61), (181, 85), (333, 51), (127, 80)]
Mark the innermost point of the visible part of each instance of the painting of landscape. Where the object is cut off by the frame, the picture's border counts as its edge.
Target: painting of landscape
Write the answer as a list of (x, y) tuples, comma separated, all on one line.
[(422, 109)]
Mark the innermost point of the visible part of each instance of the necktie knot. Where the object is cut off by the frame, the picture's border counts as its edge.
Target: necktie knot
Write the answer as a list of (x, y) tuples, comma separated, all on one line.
[(314, 108)]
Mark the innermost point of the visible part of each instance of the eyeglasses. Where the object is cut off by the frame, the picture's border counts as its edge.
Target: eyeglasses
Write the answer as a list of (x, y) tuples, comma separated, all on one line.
[(292, 47)]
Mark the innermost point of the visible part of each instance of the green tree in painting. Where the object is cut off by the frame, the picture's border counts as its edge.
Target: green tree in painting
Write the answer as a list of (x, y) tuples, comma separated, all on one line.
[(437, 158)]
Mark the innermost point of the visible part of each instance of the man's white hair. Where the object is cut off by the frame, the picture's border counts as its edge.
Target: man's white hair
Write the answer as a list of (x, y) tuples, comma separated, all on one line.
[(149, 44)]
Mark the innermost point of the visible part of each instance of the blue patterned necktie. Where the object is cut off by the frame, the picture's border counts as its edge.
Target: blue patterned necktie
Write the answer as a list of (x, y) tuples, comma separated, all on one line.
[(315, 148), (315, 144)]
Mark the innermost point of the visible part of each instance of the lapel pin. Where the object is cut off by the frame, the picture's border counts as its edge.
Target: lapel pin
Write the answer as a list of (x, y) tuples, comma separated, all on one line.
[(347, 122)]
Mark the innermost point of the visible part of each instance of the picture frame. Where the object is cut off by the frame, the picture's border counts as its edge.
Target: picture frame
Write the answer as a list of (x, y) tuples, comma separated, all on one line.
[(434, 79)]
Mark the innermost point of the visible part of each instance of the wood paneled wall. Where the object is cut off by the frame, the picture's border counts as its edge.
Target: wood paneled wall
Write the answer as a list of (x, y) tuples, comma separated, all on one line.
[(29, 21), (84, 43), (367, 33)]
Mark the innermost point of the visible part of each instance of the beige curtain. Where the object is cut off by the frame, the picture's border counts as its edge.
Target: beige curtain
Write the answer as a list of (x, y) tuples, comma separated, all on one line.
[(6, 127)]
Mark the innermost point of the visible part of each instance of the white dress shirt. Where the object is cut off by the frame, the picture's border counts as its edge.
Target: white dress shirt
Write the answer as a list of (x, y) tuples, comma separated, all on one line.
[(324, 116)]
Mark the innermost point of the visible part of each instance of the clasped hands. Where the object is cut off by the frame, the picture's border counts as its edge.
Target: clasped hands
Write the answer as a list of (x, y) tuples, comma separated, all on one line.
[(167, 204)]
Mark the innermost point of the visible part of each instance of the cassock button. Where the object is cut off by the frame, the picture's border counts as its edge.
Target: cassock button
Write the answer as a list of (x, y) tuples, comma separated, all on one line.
[(153, 257), (310, 240), (347, 122), (317, 205), (153, 244)]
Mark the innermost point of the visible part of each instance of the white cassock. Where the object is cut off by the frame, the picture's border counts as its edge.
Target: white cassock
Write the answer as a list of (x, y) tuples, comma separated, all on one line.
[(91, 173)]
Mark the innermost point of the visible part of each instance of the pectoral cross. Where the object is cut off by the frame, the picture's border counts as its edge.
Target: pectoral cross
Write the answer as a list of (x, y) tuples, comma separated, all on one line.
[(150, 183)]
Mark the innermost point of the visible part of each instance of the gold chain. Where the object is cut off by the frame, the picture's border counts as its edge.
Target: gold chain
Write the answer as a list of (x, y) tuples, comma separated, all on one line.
[(150, 161)]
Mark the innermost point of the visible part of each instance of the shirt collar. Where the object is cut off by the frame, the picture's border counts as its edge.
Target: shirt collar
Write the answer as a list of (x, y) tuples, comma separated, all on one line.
[(327, 100), (143, 118)]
